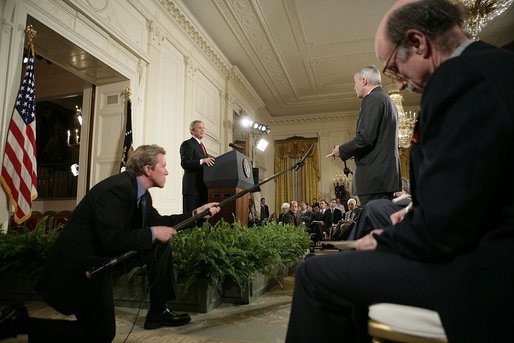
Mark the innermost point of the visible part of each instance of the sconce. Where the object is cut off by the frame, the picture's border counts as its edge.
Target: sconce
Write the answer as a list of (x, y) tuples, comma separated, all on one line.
[(76, 139)]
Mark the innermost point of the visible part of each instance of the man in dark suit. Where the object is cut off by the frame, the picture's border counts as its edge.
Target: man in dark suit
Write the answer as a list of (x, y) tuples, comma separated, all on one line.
[(337, 215), (375, 145), (321, 221), (435, 255), (264, 210), (193, 158), (292, 216), (114, 217)]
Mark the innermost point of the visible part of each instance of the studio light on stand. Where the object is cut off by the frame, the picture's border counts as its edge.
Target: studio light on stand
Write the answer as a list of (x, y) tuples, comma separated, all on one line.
[(257, 131), (261, 144)]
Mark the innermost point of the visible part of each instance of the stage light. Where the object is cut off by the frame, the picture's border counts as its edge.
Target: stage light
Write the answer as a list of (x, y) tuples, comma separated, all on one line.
[(262, 144), (246, 123)]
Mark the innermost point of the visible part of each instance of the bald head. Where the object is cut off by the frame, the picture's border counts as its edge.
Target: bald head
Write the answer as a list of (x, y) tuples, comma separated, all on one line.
[(416, 36), (382, 42)]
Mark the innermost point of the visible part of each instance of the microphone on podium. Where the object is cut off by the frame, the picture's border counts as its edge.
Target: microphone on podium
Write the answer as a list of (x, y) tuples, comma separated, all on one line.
[(236, 147)]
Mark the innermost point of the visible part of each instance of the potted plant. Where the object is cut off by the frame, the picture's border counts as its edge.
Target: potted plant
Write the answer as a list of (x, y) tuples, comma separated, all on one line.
[(23, 252), (212, 258)]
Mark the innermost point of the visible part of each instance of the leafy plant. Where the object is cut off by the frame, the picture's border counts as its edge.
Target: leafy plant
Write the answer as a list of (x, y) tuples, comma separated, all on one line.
[(234, 251), (24, 251)]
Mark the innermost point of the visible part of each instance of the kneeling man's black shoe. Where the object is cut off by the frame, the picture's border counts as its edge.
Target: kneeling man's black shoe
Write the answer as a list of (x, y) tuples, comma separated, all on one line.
[(165, 318), (13, 320)]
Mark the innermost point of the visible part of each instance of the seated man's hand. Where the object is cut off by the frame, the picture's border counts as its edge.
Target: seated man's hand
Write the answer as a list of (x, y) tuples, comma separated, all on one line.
[(368, 242), (398, 216)]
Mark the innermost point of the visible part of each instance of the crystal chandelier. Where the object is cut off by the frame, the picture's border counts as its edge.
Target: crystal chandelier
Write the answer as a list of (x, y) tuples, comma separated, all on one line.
[(481, 12), (406, 120)]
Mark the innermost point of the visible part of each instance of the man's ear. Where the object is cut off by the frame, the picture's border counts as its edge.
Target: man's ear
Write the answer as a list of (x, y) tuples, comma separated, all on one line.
[(418, 41), (147, 170)]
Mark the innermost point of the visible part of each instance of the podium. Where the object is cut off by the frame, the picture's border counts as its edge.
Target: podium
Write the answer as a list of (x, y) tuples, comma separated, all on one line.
[(231, 173)]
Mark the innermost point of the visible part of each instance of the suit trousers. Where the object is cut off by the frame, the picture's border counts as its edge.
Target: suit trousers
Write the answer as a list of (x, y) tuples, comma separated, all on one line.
[(376, 215), (332, 293), (96, 318)]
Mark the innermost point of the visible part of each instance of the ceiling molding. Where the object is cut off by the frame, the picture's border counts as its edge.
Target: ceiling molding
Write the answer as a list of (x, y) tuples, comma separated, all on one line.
[(314, 118), (198, 37)]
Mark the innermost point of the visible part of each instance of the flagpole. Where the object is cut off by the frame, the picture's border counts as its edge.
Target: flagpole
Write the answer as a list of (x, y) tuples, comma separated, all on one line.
[(19, 166), (127, 142)]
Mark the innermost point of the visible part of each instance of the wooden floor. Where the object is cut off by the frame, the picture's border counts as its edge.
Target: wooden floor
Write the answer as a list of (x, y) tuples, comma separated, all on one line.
[(264, 320)]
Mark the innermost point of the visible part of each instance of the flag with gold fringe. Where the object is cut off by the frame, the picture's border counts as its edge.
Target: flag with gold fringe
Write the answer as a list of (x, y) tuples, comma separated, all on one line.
[(19, 166)]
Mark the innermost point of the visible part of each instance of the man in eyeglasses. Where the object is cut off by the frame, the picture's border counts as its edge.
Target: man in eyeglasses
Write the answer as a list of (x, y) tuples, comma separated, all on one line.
[(435, 255)]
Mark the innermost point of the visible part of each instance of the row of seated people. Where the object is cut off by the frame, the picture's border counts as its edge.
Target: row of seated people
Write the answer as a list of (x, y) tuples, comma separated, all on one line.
[(322, 221)]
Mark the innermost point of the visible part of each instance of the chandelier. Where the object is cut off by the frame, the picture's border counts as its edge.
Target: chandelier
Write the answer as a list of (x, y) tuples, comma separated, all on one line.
[(406, 120), (481, 12)]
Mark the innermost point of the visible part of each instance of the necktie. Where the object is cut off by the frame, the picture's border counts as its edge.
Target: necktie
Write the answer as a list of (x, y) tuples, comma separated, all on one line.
[(203, 149), (142, 208)]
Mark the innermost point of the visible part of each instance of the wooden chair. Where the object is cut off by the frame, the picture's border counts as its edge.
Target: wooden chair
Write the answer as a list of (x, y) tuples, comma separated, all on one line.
[(406, 324)]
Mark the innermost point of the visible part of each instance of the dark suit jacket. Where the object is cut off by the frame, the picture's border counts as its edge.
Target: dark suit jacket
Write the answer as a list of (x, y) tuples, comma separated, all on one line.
[(291, 218), (337, 215), (264, 212), (326, 217), (463, 154), (192, 180), (106, 223), (352, 215), (375, 146)]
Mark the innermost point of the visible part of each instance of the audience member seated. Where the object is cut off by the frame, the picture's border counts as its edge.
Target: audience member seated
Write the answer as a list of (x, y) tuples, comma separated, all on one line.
[(348, 222), (285, 208), (352, 215), (292, 216), (305, 214), (321, 222), (377, 214)]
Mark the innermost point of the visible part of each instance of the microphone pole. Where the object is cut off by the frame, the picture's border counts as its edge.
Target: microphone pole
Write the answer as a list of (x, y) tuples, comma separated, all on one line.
[(186, 223)]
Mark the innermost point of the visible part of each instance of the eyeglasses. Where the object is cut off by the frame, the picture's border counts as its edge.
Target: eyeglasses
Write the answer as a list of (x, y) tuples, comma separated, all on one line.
[(392, 70)]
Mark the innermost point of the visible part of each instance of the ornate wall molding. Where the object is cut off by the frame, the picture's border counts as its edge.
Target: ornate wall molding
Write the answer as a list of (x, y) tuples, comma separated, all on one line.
[(6, 26), (97, 5), (211, 53), (315, 118), (191, 67), (157, 34)]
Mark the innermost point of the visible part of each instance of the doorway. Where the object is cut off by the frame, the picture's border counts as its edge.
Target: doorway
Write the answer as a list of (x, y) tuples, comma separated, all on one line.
[(67, 78)]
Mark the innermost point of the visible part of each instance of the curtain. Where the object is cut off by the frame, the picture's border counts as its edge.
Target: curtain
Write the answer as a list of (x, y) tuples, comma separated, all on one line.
[(300, 185), (404, 163)]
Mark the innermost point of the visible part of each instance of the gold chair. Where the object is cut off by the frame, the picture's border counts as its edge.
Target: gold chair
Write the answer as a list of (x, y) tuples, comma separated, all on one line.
[(405, 324)]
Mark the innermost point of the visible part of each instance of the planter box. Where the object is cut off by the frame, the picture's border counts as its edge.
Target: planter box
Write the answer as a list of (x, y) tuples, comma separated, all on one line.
[(200, 297), (131, 293), (260, 284), (14, 286)]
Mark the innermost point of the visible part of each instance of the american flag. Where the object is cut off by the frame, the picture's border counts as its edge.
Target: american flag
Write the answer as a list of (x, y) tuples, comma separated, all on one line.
[(19, 167), (127, 143)]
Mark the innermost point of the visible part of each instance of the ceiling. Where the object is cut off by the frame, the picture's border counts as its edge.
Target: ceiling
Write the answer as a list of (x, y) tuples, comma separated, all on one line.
[(301, 55)]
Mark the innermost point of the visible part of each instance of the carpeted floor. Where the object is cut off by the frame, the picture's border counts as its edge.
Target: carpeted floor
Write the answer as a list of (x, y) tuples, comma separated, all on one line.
[(264, 320)]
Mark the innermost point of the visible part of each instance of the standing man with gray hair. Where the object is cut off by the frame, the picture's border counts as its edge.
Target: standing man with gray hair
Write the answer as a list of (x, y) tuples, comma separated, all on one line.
[(193, 158), (375, 145)]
